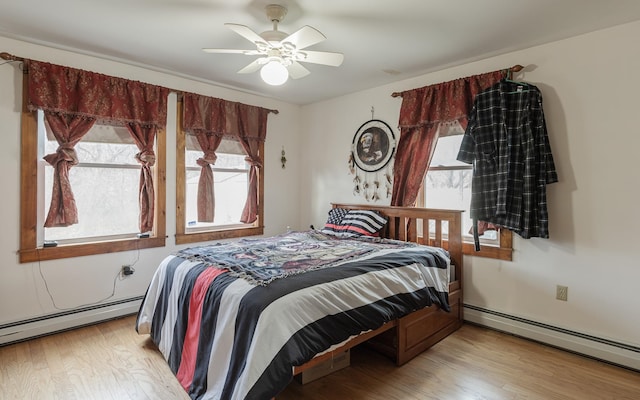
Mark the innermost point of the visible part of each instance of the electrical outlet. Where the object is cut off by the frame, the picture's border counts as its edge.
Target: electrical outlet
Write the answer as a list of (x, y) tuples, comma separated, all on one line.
[(561, 292)]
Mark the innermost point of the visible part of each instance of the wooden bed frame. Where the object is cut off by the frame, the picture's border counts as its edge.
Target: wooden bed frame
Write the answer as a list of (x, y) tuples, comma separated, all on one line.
[(404, 338)]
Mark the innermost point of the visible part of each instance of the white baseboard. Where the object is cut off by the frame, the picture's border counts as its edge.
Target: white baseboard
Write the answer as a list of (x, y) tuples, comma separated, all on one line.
[(621, 354), (35, 327)]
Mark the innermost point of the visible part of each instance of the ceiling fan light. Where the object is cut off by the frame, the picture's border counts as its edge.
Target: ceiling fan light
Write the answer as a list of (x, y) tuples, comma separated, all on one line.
[(274, 73)]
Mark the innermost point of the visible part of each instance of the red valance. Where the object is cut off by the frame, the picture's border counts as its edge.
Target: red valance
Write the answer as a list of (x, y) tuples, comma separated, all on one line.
[(215, 116), (110, 100), (444, 102)]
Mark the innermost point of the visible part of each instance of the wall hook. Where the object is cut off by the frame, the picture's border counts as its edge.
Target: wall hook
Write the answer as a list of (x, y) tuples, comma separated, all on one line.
[(283, 159)]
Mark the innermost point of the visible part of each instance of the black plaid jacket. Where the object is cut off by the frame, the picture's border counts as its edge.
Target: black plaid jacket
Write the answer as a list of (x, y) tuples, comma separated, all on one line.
[(506, 141)]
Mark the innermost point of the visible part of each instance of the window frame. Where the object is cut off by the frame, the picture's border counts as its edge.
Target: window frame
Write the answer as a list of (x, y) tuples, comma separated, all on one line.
[(501, 251), (29, 250), (184, 237)]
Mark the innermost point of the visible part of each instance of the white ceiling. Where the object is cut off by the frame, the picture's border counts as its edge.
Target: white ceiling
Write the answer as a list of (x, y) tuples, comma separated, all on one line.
[(382, 40)]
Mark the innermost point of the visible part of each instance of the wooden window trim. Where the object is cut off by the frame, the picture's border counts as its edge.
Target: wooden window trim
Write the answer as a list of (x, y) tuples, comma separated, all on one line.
[(29, 250), (182, 237)]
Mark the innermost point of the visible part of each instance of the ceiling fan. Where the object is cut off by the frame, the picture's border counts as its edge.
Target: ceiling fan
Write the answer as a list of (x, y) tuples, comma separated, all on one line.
[(281, 53)]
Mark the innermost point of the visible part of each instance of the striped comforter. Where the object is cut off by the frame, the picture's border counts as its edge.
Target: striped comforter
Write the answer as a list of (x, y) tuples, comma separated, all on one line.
[(227, 338)]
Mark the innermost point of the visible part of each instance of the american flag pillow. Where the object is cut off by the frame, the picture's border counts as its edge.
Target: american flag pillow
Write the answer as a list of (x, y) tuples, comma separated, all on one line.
[(333, 225), (348, 223)]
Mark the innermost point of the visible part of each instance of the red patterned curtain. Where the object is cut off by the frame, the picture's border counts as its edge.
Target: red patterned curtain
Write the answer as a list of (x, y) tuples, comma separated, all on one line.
[(73, 94), (422, 112), (209, 133), (206, 192), (252, 128), (68, 130), (236, 121), (144, 137)]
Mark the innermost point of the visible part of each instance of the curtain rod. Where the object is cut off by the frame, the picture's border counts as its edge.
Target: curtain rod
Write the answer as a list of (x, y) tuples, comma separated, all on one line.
[(515, 68), (11, 57)]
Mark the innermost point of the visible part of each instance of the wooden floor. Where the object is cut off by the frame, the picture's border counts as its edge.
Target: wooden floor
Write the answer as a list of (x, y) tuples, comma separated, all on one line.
[(111, 361)]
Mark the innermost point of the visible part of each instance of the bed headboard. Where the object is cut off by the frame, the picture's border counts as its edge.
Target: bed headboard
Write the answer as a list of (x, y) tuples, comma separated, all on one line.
[(404, 223)]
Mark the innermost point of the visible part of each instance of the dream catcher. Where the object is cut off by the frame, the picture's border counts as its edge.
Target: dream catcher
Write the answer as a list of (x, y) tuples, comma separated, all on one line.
[(369, 161)]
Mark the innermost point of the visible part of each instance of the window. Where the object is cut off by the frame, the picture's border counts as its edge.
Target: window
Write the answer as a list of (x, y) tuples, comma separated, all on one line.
[(447, 185), (107, 155), (231, 180), (105, 186), (231, 188)]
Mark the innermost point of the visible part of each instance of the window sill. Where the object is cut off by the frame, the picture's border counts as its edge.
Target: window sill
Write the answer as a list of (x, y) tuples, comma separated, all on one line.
[(184, 238), (499, 253), (502, 252), (87, 249)]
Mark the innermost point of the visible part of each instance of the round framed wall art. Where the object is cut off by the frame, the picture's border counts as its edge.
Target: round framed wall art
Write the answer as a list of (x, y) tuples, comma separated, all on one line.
[(372, 149), (373, 145)]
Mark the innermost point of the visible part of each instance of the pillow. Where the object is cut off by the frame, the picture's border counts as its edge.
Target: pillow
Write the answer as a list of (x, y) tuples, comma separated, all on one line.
[(364, 222), (350, 223), (333, 225)]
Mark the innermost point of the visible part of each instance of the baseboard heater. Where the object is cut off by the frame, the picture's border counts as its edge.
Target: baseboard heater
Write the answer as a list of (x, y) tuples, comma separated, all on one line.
[(620, 354), (45, 325)]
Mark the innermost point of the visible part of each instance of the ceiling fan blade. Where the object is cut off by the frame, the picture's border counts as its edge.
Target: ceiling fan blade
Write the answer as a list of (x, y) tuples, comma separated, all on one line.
[(297, 71), (253, 67), (233, 51), (245, 32), (320, 57), (304, 37)]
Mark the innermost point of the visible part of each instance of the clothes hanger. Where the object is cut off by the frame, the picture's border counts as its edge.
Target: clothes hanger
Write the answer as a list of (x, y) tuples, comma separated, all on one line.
[(509, 75), (522, 87)]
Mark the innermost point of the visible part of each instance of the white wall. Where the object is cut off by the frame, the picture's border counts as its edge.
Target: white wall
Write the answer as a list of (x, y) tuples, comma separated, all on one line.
[(590, 86), (75, 282)]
